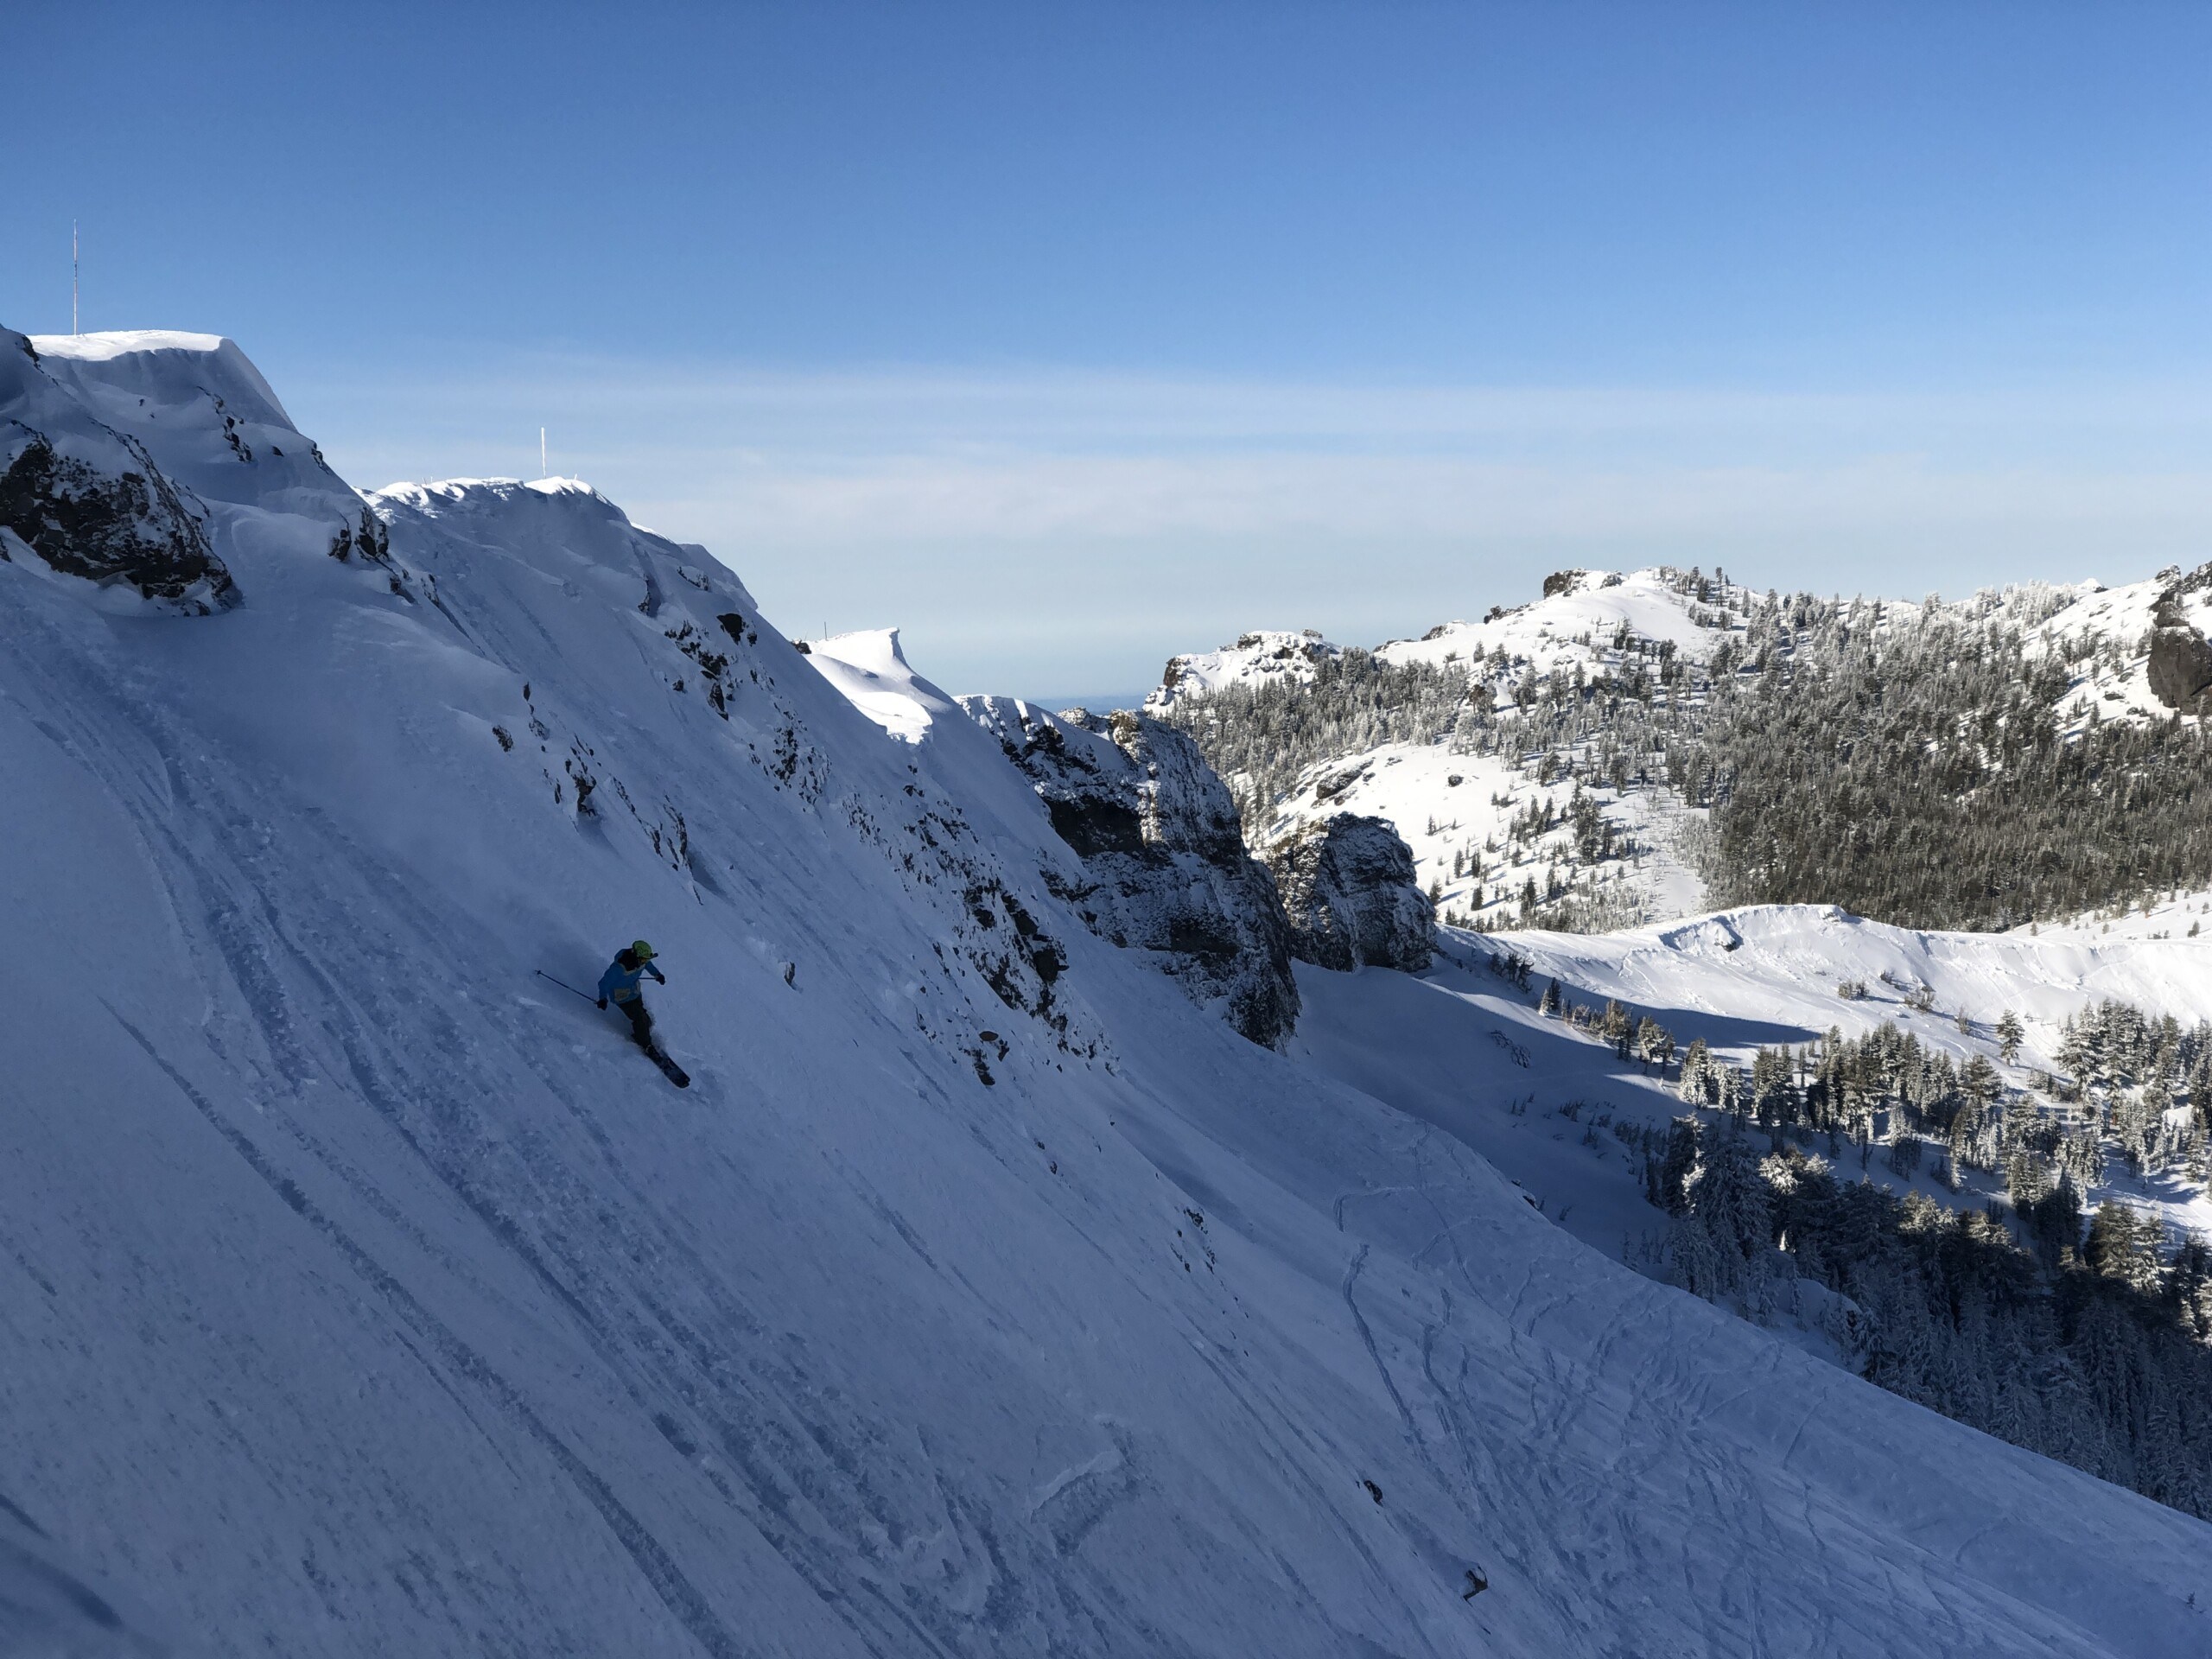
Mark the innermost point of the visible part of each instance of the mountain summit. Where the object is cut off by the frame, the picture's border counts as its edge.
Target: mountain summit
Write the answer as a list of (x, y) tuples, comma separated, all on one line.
[(986, 1292)]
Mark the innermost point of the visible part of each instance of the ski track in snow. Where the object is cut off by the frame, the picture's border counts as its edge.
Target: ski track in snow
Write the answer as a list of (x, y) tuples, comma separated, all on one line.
[(362, 1296)]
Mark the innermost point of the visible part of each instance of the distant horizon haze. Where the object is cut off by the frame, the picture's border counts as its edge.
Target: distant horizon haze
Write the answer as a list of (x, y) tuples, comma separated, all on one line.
[(1069, 339)]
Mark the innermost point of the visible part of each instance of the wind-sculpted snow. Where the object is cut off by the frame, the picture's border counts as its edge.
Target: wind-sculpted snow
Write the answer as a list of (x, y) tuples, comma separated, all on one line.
[(364, 1294), (871, 669)]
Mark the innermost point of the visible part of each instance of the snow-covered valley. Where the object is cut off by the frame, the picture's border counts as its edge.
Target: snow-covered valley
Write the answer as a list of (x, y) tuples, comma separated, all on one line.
[(364, 1292)]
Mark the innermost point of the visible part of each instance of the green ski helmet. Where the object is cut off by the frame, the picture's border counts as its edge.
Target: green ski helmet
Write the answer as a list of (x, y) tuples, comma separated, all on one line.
[(641, 951)]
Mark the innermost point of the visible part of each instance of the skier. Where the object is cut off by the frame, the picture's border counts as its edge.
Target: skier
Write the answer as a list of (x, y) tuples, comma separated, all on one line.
[(621, 981)]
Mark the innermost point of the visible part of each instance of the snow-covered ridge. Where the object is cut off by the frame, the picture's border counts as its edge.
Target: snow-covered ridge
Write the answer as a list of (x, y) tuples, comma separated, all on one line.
[(870, 668), (1253, 659), (365, 1293), (1579, 608), (156, 364), (1625, 650)]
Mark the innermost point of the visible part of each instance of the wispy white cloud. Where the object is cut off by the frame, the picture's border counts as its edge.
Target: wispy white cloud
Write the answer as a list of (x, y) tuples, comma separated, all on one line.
[(1086, 500), (1046, 531)]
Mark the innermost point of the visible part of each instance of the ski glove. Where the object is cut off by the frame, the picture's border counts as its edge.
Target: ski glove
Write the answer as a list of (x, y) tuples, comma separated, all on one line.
[(602, 1002)]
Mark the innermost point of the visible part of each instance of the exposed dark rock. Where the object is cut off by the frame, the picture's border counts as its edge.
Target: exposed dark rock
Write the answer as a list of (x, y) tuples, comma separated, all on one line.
[(2180, 666), (120, 527), (88, 501), (1159, 836), (1352, 897)]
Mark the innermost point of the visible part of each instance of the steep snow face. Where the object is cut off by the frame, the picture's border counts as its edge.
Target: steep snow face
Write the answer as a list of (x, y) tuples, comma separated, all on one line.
[(1255, 659), (366, 1294), (871, 671), (87, 502)]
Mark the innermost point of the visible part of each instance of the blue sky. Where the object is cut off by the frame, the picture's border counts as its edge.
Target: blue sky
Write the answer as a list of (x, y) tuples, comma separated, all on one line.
[(1068, 335)]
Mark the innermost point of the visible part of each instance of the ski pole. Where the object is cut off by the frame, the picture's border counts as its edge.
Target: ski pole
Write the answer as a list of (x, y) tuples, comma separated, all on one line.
[(571, 989)]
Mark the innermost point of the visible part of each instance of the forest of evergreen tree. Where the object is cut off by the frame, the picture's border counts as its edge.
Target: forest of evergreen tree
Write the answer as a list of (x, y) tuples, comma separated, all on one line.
[(2094, 1350), (1916, 765), (1921, 765), (1924, 774), (2097, 1357)]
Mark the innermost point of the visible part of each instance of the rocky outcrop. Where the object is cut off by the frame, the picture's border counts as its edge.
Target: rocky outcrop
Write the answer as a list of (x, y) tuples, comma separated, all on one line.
[(1270, 656), (2180, 666), (1161, 840), (89, 502), (1351, 897)]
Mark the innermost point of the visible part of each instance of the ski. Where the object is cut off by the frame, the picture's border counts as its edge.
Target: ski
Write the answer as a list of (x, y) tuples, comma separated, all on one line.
[(675, 1073)]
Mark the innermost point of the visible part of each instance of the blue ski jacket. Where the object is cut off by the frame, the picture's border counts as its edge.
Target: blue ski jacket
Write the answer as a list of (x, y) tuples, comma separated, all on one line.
[(621, 984)]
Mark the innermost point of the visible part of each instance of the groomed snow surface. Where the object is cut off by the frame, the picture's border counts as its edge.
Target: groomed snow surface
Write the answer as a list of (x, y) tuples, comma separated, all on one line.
[(363, 1293)]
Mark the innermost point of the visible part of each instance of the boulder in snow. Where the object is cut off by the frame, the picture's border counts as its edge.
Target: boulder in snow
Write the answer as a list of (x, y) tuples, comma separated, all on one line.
[(1352, 896), (2180, 666)]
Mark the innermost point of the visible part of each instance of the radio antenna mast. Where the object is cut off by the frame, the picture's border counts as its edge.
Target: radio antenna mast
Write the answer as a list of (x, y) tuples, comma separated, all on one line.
[(542, 472), (72, 277)]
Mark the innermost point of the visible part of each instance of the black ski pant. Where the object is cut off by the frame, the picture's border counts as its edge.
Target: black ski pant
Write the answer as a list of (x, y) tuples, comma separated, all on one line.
[(641, 1022)]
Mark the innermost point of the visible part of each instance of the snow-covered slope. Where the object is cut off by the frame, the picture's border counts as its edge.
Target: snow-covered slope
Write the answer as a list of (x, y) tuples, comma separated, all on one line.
[(1254, 660), (1741, 980), (364, 1294), (1629, 656), (1457, 809), (1458, 812), (2173, 915), (1580, 612), (2112, 631)]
